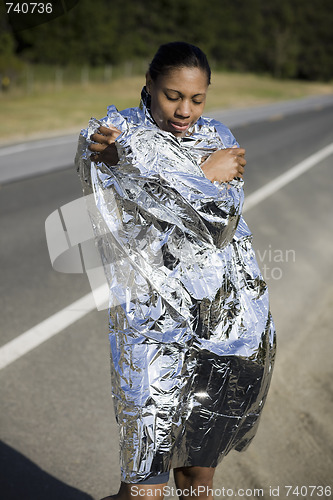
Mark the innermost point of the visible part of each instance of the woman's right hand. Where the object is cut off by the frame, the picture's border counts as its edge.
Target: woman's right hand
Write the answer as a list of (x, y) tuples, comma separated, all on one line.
[(105, 149), (225, 164)]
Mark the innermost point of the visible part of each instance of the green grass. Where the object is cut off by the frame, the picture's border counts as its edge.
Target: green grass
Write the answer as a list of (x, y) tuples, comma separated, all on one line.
[(47, 110)]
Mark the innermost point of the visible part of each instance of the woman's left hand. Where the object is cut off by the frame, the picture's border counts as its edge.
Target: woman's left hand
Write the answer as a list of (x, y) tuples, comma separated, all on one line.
[(105, 149), (225, 164)]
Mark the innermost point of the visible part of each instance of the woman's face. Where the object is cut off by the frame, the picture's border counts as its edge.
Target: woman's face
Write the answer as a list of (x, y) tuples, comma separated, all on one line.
[(178, 99)]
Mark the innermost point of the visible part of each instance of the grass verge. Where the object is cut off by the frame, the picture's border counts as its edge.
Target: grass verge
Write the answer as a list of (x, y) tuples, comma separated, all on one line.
[(46, 110)]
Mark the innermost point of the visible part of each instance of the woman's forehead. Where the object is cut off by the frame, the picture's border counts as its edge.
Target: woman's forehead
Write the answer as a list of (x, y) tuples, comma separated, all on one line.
[(183, 78)]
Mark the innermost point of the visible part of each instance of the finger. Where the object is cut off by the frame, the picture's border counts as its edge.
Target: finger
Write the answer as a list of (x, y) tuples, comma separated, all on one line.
[(102, 139), (97, 148), (238, 176), (238, 172), (235, 151), (111, 130), (240, 151)]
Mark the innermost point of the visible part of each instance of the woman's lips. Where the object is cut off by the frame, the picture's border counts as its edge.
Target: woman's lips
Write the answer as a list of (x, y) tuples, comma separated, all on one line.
[(180, 126)]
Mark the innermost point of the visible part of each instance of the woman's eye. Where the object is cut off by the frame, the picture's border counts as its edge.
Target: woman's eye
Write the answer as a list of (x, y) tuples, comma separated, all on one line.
[(177, 98)]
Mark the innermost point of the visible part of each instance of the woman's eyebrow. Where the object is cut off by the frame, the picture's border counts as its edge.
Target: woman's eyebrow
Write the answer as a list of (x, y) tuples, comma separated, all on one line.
[(180, 93)]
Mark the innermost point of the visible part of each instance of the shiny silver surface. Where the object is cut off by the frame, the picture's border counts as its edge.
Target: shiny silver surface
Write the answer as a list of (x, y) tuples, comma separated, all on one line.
[(192, 339)]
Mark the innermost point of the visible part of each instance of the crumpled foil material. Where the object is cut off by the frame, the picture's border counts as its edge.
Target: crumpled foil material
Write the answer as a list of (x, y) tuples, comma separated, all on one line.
[(191, 334)]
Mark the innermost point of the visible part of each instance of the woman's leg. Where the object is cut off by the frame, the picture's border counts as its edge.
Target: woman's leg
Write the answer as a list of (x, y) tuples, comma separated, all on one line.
[(198, 480), (135, 491)]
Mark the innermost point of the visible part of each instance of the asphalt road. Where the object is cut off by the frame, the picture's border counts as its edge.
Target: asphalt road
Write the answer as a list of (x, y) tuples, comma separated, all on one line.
[(37, 156), (57, 424)]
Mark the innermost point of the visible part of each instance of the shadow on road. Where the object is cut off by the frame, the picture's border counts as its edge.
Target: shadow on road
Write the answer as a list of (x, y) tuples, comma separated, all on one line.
[(21, 478)]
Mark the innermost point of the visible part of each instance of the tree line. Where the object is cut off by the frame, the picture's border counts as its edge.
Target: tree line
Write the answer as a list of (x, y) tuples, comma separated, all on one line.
[(284, 38)]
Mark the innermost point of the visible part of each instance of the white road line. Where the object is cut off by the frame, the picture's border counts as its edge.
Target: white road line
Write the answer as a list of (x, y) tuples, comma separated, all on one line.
[(32, 338), (26, 146), (283, 179)]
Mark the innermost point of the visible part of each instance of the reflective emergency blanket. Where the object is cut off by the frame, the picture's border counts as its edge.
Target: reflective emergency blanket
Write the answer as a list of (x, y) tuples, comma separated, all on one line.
[(192, 339)]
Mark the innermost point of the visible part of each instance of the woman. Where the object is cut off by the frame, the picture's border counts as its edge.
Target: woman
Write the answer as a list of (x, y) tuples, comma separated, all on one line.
[(192, 339)]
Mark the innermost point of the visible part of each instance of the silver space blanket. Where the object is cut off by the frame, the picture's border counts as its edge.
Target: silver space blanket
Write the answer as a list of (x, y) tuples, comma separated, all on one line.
[(192, 338)]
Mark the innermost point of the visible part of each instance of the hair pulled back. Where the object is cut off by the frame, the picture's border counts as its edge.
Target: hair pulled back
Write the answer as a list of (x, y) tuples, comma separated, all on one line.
[(178, 55)]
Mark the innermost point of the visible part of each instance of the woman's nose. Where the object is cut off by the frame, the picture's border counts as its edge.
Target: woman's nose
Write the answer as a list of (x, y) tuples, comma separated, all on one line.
[(183, 109)]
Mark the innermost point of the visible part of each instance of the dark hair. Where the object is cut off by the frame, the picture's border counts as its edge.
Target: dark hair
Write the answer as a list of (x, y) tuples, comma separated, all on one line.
[(178, 55)]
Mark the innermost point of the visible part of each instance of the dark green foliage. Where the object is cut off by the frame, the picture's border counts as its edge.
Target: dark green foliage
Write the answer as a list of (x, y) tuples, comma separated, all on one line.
[(285, 38)]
